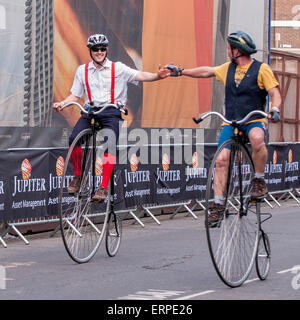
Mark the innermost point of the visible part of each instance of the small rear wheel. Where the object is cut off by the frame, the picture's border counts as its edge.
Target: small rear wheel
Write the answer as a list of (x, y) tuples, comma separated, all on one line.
[(113, 234), (263, 256)]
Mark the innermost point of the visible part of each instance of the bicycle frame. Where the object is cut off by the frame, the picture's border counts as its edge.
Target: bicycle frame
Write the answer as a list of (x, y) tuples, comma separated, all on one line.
[(239, 138), (91, 111), (95, 127)]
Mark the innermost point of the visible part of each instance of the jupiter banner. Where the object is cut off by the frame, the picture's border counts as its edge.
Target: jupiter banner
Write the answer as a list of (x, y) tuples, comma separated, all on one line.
[(29, 187)]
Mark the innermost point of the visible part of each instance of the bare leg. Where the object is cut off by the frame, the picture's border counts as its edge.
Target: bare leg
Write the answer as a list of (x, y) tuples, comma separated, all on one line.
[(260, 157), (259, 150), (220, 177), (220, 180)]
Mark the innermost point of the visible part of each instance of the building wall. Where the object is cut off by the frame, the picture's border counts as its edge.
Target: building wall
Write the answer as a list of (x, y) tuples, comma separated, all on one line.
[(285, 24)]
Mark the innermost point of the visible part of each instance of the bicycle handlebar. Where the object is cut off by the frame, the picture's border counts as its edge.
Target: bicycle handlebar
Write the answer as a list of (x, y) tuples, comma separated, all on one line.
[(247, 117), (118, 106)]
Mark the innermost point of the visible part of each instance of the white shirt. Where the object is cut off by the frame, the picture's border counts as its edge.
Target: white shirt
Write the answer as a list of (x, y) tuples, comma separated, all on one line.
[(100, 82)]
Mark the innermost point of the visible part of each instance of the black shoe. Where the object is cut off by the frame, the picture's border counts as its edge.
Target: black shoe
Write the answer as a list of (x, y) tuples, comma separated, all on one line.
[(74, 185), (216, 211), (259, 189), (101, 194)]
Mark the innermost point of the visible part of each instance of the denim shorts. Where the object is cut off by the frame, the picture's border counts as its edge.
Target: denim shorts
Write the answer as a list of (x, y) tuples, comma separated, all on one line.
[(228, 131)]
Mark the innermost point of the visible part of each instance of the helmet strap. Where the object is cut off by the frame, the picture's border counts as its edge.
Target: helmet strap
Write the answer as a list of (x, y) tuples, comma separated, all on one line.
[(98, 63), (234, 58)]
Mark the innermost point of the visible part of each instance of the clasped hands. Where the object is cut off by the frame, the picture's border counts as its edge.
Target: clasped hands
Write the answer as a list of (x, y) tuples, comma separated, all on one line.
[(169, 70)]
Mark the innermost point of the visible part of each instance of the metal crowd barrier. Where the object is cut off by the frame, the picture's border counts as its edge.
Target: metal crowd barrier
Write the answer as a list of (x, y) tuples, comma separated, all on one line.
[(23, 222), (54, 219), (189, 206), (181, 204), (131, 212), (285, 195)]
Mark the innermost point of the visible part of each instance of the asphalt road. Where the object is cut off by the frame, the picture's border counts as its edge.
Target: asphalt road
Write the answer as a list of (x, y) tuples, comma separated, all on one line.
[(159, 262)]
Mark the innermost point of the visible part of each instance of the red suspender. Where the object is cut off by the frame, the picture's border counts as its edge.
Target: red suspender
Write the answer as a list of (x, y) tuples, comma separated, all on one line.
[(112, 82), (87, 82)]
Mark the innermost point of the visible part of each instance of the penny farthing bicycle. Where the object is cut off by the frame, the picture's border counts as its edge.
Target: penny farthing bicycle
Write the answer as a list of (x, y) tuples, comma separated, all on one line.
[(83, 222), (237, 239)]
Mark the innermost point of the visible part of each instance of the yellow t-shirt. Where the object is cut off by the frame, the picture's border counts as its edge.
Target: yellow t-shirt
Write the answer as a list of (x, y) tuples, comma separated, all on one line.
[(265, 80)]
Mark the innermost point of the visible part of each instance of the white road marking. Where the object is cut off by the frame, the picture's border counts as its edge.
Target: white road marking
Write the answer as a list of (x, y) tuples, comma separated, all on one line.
[(251, 280), (286, 271), (155, 294), (18, 264), (195, 295)]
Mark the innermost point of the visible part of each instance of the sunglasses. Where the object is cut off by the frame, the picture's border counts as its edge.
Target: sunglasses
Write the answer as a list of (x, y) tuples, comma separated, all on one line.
[(94, 49)]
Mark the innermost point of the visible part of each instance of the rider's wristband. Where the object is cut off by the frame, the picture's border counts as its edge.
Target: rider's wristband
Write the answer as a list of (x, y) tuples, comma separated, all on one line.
[(62, 103), (275, 109)]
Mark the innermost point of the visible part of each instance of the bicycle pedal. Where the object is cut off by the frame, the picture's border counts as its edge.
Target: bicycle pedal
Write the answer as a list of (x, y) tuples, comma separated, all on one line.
[(256, 200), (213, 225), (97, 201)]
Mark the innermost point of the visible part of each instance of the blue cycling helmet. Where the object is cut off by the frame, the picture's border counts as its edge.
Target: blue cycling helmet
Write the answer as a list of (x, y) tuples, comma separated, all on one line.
[(242, 41)]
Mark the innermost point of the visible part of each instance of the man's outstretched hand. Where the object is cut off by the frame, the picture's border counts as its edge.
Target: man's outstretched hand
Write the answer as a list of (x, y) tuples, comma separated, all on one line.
[(175, 71), (163, 72), (274, 114)]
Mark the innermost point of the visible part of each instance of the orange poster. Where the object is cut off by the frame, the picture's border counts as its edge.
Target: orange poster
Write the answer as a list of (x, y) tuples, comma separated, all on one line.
[(181, 33), (142, 34)]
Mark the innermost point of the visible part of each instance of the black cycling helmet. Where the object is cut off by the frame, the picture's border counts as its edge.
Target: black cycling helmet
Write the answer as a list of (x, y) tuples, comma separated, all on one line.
[(242, 41), (97, 40)]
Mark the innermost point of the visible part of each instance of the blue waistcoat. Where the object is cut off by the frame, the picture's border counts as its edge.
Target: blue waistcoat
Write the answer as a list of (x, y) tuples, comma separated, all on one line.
[(240, 100)]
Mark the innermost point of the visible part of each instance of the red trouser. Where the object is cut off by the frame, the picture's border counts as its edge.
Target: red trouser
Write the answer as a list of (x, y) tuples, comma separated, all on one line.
[(109, 162), (110, 119)]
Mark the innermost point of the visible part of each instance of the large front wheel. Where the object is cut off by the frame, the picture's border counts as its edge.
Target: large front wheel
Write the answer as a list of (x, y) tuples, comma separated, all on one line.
[(82, 222), (233, 239)]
